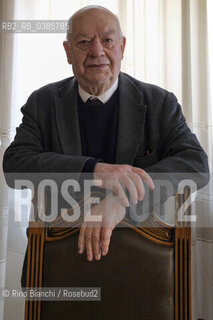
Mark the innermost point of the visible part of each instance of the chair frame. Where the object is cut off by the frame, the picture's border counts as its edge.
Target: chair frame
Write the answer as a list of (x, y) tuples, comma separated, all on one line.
[(178, 237)]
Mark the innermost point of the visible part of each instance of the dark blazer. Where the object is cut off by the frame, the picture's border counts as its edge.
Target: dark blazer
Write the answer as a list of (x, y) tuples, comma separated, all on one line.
[(152, 132)]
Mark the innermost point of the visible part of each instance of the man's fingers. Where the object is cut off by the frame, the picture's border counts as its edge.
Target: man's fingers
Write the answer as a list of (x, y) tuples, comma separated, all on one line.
[(129, 184), (134, 185), (138, 184), (89, 238), (81, 238), (119, 191), (96, 242), (145, 177), (88, 243), (95, 237), (105, 240), (118, 177), (107, 172)]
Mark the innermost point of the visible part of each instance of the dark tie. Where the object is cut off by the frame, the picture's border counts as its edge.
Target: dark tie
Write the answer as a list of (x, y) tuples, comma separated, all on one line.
[(94, 102)]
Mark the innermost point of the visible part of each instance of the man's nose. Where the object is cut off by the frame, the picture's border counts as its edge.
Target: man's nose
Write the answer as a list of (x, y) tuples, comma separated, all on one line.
[(96, 49)]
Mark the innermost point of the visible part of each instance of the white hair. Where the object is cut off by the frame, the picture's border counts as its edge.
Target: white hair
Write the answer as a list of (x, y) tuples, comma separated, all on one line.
[(69, 29)]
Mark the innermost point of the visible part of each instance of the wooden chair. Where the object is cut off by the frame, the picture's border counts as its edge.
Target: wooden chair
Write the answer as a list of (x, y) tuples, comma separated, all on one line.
[(146, 274)]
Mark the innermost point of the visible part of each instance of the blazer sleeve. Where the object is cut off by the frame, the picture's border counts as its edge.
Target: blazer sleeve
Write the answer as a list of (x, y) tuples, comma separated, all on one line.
[(27, 153), (179, 149), (176, 155)]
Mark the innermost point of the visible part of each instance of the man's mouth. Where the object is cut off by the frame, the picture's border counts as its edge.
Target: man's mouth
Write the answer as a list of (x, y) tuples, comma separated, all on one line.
[(98, 65)]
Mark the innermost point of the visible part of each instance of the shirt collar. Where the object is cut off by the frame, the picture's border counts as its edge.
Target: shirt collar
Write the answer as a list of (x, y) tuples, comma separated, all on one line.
[(104, 97)]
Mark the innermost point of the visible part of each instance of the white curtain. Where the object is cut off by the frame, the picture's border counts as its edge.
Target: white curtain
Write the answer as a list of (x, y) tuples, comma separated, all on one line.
[(168, 44), (6, 106)]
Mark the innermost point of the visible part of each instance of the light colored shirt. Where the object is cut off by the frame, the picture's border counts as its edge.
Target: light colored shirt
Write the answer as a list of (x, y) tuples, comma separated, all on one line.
[(104, 97)]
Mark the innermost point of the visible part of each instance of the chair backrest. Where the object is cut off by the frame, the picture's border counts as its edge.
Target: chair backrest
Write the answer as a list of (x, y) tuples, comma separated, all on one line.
[(146, 274)]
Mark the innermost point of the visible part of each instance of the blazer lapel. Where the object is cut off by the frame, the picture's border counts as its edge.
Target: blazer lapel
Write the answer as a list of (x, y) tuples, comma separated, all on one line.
[(131, 121), (67, 119)]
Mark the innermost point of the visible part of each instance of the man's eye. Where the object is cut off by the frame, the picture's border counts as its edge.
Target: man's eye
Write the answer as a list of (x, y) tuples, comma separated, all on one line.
[(84, 42), (108, 40)]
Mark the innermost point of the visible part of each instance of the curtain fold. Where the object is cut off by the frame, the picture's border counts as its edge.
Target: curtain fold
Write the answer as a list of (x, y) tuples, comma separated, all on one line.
[(6, 89), (169, 46)]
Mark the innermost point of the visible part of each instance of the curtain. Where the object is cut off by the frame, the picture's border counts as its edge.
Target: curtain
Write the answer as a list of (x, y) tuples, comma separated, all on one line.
[(6, 106), (168, 44)]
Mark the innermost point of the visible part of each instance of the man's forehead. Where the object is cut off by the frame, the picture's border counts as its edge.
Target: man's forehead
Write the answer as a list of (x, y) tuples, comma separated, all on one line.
[(104, 33), (94, 12), (94, 19)]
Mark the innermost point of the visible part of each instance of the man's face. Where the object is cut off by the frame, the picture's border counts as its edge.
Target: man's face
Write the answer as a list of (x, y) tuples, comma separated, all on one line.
[(96, 48)]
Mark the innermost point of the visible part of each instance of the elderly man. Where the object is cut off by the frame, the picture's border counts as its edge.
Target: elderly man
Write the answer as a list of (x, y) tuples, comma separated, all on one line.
[(104, 122)]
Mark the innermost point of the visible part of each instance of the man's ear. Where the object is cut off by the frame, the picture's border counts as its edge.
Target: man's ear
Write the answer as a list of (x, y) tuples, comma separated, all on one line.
[(123, 44), (67, 49)]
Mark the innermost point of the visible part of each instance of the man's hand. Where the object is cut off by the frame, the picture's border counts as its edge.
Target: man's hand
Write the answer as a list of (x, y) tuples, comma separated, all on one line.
[(117, 177), (95, 236)]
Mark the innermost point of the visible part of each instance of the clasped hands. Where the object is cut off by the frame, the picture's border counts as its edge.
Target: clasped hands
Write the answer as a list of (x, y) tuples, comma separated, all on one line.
[(94, 236)]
